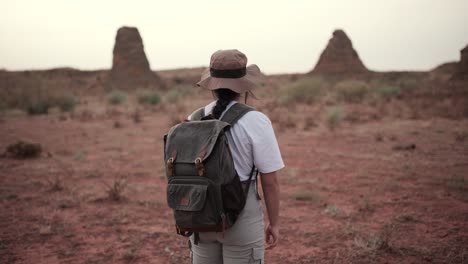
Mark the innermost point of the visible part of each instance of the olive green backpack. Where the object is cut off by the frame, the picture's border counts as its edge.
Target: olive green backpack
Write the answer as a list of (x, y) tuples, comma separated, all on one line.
[(204, 189)]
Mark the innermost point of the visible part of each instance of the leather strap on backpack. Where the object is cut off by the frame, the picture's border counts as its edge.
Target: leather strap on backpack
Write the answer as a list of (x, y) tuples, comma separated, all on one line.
[(183, 233)]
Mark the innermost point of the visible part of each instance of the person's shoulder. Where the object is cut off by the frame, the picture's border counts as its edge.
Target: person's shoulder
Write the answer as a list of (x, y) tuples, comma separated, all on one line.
[(255, 118), (255, 114), (207, 109)]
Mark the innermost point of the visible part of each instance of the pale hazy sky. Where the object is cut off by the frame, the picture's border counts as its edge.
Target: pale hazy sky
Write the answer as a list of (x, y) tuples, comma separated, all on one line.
[(279, 36)]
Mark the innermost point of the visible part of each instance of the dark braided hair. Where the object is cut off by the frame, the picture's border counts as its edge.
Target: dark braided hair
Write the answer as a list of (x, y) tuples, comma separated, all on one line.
[(225, 96)]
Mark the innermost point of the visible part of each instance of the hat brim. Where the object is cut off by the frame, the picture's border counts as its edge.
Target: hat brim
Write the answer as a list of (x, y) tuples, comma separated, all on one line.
[(245, 84)]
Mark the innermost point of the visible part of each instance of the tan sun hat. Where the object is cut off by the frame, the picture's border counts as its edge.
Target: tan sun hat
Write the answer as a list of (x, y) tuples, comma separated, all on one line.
[(228, 69)]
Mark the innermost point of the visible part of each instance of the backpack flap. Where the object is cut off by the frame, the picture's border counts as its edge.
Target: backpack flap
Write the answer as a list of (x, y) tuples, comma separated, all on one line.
[(186, 197), (191, 140)]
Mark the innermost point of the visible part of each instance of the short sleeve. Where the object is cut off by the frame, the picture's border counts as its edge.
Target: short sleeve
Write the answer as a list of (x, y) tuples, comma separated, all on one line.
[(266, 153)]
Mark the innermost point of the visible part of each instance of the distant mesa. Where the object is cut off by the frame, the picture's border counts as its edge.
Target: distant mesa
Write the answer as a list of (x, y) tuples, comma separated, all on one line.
[(339, 57), (130, 67)]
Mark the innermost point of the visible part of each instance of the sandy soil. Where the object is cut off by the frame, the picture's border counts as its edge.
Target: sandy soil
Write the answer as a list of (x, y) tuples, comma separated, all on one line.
[(354, 195)]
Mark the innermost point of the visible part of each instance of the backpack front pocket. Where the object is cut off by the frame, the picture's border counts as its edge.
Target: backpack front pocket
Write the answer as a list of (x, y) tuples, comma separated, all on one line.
[(195, 203), (186, 197)]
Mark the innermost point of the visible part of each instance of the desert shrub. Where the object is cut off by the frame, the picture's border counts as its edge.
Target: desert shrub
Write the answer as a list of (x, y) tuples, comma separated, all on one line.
[(375, 242), (388, 91), (115, 191), (79, 155), (351, 91), (308, 91), (408, 84), (38, 106), (24, 150), (333, 116), (178, 79), (407, 217), (66, 102), (149, 97), (366, 206), (334, 211), (178, 92), (458, 183), (116, 97), (306, 195), (34, 100)]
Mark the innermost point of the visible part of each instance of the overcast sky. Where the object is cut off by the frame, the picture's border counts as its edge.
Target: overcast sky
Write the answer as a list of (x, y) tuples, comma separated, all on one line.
[(279, 36)]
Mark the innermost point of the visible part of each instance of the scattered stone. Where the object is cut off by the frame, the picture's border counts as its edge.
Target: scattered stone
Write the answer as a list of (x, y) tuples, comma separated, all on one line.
[(23, 150), (339, 57), (45, 231), (379, 137), (409, 146), (62, 117), (117, 124), (65, 204), (130, 67)]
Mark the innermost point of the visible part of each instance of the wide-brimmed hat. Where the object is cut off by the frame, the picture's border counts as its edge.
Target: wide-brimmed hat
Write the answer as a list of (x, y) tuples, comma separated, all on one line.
[(228, 69)]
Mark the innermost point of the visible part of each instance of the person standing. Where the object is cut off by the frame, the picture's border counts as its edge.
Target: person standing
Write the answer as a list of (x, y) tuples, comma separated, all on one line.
[(253, 144)]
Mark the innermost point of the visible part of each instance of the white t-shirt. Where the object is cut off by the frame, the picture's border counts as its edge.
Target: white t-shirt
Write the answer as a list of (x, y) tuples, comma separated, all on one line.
[(252, 141)]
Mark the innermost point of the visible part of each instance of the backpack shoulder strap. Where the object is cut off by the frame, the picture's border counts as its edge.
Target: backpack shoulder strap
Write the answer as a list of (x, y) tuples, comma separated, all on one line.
[(198, 114), (235, 112)]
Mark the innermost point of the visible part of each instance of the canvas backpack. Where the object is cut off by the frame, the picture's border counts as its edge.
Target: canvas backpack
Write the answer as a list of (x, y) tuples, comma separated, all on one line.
[(204, 189)]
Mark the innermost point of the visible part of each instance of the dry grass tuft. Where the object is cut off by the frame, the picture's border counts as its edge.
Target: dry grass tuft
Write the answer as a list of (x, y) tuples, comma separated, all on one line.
[(55, 185), (116, 189), (407, 217), (333, 211), (374, 243), (306, 196)]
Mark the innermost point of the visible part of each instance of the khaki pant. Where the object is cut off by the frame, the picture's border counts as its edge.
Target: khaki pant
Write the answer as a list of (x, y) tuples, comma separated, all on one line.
[(242, 243)]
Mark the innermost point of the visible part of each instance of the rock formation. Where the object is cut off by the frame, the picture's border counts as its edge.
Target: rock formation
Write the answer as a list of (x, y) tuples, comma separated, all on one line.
[(339, 57), (462, 66), (130, 67)]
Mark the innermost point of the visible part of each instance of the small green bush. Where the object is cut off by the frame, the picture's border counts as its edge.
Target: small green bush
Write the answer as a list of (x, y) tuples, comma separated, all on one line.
[(388, 91), (308, 91), (178, 92), (67, 102), (408, 84), (333, 117), (149, 97), (351, 91), (116, 97), (38, 107)]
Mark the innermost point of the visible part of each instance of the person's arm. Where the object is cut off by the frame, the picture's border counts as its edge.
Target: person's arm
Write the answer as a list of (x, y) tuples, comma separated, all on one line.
[(270, 188)]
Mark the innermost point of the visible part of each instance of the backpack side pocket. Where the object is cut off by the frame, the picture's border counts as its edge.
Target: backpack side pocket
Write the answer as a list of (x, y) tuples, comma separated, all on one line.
[(234, 199)]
